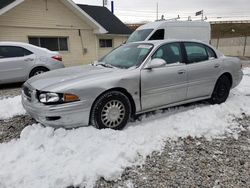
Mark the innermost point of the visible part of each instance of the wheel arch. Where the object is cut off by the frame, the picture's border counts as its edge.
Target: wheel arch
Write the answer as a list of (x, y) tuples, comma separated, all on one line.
[(123, 91), (37, 67), (229, 76)]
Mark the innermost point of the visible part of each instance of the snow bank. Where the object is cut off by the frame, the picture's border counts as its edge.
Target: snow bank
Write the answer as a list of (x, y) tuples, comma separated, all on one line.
[(10, 107), (45, 158)]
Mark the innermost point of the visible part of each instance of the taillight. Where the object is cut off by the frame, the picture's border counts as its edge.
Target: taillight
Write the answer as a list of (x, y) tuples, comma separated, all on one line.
[(57, 57)]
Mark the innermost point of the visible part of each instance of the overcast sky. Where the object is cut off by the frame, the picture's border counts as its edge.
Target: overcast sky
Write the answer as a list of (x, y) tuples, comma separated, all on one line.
[(132, 11)]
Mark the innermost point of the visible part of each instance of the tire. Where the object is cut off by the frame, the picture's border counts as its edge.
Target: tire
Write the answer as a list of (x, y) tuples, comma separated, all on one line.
[(38, 70), (111, 110), (221, 90)]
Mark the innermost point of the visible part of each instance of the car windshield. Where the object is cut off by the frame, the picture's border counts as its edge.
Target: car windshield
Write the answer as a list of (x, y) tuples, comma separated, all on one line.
[(139, 35), (127, 55)]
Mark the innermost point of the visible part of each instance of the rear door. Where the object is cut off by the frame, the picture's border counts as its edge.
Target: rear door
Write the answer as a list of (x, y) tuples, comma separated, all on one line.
[(14, 61), (203, 69), (164, 85)]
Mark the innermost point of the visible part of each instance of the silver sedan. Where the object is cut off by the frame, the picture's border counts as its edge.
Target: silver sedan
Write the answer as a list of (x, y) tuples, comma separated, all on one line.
[(132, 79), (20, 61)]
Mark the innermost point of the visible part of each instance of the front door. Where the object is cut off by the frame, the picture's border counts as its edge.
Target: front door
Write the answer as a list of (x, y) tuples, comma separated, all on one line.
[(164, 85)]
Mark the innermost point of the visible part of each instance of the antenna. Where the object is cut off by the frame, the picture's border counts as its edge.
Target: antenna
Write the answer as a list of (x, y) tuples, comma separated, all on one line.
[(156, 11)]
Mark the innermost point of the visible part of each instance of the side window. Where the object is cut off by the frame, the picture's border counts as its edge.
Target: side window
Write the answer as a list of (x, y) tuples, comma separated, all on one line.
[(13, 51), (171, 53), (158, 35), (210, 52), (195, 52)]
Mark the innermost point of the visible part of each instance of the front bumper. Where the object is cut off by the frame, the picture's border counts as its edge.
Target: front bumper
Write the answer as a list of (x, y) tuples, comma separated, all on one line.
[(68, 115)]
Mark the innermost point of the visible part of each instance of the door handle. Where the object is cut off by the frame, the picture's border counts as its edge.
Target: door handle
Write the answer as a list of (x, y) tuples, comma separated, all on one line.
[(216, 66), (29, 59), (181, 72)]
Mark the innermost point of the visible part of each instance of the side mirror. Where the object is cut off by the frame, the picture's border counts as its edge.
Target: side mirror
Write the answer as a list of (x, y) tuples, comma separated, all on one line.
[(155, 63)]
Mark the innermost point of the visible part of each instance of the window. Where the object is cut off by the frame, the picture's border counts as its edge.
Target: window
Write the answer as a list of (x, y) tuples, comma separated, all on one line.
[(210, 52), (171, 53), (51, 43), (195, 52), (158, 35), (13, 51), (105, 43)]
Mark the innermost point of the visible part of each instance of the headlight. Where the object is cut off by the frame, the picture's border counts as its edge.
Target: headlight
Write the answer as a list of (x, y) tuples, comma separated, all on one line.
[(49, 97), (56, 98)]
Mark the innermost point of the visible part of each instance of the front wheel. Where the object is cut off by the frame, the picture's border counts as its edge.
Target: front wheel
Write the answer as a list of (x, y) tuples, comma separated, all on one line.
[(221, 90), (111, 110)]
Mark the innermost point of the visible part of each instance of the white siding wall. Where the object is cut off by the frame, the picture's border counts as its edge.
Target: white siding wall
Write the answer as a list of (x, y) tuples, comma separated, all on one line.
[(36, 18), (117, 41)]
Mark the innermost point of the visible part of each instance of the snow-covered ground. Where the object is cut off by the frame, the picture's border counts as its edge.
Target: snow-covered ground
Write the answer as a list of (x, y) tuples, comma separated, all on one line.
[(10, 107), (45, 158)]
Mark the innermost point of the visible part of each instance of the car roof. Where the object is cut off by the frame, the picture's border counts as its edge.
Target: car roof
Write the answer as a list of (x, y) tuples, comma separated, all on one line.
[(159, 42), (164, 23)]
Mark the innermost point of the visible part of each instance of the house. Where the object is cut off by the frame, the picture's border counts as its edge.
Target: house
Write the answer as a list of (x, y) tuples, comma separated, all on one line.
[(81, 33)]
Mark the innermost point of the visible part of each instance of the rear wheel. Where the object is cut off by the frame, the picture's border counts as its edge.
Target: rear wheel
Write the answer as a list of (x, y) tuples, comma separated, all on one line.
[(111, 110), (221, 90), (38, 70)]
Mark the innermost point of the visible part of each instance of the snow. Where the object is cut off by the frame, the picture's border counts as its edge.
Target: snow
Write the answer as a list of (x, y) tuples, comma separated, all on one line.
[(44, 157), (10, 107)]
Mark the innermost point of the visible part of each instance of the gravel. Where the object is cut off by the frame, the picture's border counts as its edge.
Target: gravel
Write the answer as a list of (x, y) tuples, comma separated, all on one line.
[(11, 128), (193, 162), (10, 90)]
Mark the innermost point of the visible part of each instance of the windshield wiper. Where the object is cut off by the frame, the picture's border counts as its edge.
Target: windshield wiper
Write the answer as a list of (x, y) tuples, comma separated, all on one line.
[(105, 65)]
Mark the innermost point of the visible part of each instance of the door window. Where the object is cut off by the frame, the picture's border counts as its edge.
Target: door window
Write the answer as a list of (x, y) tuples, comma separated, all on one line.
[(13, 51), (210, 52), (158, 35), (195, 52), (171, 53)]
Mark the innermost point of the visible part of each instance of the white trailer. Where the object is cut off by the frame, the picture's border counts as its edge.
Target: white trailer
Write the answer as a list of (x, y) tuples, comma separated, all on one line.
[(159, 30)]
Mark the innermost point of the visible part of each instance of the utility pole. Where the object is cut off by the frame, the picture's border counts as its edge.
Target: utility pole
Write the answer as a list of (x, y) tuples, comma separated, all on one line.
[(157, 11), (104, 2)]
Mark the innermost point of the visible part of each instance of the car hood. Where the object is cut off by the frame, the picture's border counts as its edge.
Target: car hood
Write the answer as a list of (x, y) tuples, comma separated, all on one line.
[(53, 79)]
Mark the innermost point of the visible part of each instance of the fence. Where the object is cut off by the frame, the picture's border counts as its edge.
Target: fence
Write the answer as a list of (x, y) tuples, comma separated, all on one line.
[(234, 46)]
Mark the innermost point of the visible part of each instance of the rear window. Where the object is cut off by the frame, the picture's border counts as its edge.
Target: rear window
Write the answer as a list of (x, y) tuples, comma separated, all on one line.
[(195, 52), (139, 35)]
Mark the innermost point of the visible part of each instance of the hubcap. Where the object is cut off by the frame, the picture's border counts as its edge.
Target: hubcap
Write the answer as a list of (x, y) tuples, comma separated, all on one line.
[(39, 72), (221, 90), (113, 113)]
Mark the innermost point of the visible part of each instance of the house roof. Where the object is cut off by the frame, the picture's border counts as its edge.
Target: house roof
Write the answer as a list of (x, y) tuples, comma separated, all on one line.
[(106, 19), (4, 3)]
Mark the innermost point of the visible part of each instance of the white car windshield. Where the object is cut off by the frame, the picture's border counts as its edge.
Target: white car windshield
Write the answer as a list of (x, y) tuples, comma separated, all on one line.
[(127, 56), (139, 35)]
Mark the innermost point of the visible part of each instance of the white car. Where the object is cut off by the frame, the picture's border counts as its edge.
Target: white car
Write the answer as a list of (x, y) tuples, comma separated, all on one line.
[(20, 61)]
